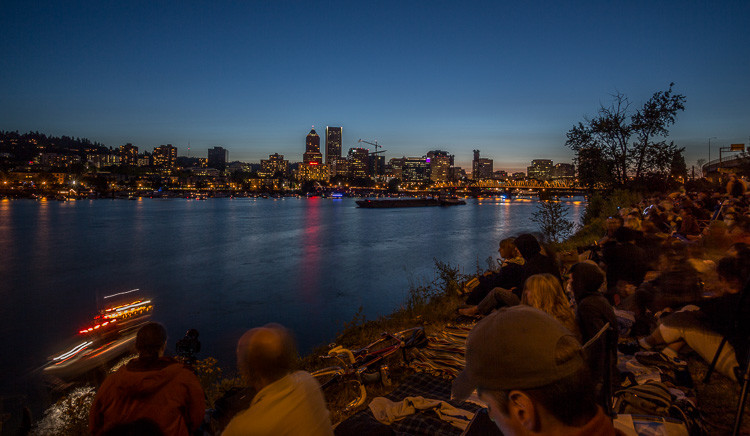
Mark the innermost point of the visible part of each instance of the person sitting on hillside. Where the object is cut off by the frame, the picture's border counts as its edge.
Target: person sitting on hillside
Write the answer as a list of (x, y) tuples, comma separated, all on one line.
[(531, 373), (151, 390), (544, 292), (534, 261), (287, 402), (702, 330), (510, 275), (613, 223), (626, 264), (688, 226), (593, 313)]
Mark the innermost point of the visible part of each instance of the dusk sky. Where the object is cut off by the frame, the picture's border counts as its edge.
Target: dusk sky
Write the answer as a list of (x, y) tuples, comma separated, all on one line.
[(507, 78)]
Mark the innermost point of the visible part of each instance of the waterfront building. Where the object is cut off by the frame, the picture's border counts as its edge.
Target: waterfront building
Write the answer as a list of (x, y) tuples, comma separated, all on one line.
[(457, 173), (564, 171), (273, 165), (415, 169), (144, 160), (164, 156), (312, 171), (128, 154), (520, 175), (377, 164), (396, 165), (481, 168), (359, 162), (333, 144), (312, 148), (218, 157), (57, 160), (540, 169), (103, 160), (339, 166), (440, 163), (500, 175)]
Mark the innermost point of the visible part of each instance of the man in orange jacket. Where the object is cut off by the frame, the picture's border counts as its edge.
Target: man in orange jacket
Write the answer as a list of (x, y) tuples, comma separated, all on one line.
[(150, 391)]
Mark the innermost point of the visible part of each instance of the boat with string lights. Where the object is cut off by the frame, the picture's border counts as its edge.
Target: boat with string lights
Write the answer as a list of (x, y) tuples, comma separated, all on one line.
[(109, 335)]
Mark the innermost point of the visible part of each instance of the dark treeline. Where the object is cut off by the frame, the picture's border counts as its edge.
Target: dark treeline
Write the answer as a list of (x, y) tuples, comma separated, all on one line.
[(24, 146)]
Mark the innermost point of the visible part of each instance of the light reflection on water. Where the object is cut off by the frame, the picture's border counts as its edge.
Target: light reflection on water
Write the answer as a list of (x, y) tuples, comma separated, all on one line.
[(225, 265)]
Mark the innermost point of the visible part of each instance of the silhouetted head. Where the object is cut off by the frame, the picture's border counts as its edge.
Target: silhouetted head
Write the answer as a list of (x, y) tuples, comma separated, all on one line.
[(527, 245), (586, 277), (151, 340)]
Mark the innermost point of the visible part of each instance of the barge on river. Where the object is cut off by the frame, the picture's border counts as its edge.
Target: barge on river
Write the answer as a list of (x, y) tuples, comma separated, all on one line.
[(409, 202)]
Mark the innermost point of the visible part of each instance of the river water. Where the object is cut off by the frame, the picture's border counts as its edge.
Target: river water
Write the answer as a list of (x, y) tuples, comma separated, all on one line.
[(225, 265)]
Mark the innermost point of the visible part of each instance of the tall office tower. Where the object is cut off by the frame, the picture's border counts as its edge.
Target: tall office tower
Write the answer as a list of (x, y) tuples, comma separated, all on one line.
[(481, 168), (333, 143), (128, 154), (312, 149), (359, 162), (164, 156), (217, 158), (440, 163), (540, 169)]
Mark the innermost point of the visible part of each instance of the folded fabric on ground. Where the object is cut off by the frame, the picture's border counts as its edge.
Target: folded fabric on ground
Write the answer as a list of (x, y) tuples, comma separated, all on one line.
[(388, 412), (425, 422), (444, 354)]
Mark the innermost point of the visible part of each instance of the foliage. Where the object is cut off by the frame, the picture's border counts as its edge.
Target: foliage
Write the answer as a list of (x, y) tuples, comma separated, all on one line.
[(69, 415), (617, 144), (552, 218), (209, 376), (602, 205)]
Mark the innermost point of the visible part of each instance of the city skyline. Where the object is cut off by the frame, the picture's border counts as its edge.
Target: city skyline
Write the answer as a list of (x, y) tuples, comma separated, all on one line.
[(509, 80)]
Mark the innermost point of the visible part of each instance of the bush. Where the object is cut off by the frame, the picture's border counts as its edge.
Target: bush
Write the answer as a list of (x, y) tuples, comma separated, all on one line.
[(552, 218)]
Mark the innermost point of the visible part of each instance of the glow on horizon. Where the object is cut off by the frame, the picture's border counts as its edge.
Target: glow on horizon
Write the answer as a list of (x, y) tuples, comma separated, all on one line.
[(507, 79)]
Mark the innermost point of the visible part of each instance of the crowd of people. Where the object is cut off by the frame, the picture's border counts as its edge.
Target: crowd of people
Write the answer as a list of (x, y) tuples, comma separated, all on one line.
[(668, 275)]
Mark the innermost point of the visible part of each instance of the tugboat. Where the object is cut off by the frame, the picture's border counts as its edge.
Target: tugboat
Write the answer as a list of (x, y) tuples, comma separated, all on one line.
[(110, 334)]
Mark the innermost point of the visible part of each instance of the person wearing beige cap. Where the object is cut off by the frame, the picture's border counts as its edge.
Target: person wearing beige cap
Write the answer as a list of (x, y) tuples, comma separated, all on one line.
[(530, 371)]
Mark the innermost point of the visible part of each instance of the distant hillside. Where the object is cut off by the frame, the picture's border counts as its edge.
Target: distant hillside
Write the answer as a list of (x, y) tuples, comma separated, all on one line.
[(24, 147)]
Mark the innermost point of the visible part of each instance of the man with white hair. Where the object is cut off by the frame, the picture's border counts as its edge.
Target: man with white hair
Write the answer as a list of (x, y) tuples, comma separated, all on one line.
[(287, 402)]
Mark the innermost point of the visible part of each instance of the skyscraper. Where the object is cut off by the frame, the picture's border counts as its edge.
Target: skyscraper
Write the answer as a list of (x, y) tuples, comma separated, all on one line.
[(312, 149), (333, 144), (217, 157), (481, 168), (440, 163)]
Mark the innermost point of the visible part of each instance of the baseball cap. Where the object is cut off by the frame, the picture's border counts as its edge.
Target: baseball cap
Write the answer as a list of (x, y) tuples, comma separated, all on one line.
[(516, 348)]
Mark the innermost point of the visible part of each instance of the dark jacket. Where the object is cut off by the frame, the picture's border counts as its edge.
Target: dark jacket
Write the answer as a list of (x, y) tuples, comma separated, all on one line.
[(594, 311), (510, 276)]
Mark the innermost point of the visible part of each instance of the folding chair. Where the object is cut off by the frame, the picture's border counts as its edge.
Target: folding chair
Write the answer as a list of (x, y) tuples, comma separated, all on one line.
[(605, 334), (745, 371)]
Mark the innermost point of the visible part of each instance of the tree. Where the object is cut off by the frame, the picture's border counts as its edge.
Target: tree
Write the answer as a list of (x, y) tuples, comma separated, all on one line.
[(593, 168), (552, 218), (652, 121), (612, 130), (678, 167)]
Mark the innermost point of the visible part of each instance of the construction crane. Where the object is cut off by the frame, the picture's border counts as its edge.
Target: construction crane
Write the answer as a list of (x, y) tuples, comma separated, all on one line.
[(376, 152), (374, 144)]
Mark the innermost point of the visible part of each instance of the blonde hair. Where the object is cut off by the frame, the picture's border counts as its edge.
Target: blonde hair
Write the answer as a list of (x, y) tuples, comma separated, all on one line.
[(544, 292)]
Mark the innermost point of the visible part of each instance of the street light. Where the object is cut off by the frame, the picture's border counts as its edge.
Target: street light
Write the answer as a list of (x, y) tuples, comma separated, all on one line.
[(709, 148)]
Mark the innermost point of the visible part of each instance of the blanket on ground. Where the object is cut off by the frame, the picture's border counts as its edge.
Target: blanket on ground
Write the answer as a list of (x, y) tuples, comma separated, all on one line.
[(421, 423)]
